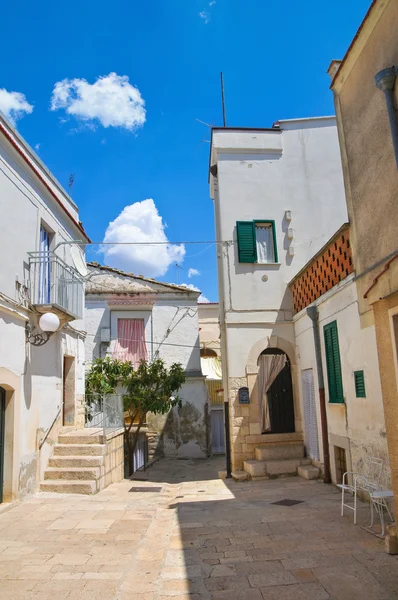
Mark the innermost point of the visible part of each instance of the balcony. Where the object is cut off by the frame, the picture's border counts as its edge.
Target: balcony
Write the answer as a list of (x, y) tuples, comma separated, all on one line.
[(55, 286)]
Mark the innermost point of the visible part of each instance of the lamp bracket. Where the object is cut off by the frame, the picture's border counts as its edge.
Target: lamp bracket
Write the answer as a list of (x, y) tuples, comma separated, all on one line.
[(35, 337)]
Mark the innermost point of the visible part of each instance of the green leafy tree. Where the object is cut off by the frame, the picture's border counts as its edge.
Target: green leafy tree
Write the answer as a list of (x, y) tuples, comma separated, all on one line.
[(150, 388)]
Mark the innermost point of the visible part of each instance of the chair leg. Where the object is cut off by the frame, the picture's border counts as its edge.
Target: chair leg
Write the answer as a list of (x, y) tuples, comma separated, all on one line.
[(355, 507), (342, 502)]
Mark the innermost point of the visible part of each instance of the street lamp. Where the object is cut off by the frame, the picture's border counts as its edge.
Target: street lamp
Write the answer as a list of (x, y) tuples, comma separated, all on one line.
[(49, 323)]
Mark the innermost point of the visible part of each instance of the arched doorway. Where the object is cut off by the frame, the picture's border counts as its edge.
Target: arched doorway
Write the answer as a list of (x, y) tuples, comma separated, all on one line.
[(275, 392), (2, 439)]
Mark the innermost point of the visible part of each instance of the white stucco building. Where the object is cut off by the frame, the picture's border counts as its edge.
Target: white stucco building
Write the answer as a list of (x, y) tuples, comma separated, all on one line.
[(348, 360), (41, 386), (278, 197), (131, 317)]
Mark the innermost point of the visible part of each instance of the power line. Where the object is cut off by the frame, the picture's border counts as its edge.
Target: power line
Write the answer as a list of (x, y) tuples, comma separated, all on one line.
[(155, 243), (149, 342)]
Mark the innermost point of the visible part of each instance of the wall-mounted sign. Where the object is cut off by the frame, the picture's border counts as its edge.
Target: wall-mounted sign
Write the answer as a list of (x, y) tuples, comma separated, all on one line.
[(243, 395)]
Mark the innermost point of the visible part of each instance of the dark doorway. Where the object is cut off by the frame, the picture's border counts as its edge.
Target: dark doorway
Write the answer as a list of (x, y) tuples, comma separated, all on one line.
[(280, 398), (69, 391), (2, 439)]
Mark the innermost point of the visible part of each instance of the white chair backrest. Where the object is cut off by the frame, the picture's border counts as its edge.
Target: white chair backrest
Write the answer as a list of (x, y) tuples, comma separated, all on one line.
[(375, 469)]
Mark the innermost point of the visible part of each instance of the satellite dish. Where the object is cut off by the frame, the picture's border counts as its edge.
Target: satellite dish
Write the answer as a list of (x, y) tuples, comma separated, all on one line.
[(78, 261)]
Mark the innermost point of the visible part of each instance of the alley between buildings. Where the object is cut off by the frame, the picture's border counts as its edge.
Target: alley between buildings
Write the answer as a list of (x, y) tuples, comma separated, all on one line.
[(178, 531)]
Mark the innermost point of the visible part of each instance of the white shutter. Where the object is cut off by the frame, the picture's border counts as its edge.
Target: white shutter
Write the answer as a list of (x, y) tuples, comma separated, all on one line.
[(310, 418)]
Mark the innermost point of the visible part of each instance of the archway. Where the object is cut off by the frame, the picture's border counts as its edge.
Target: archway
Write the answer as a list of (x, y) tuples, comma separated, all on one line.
[(275, 392)]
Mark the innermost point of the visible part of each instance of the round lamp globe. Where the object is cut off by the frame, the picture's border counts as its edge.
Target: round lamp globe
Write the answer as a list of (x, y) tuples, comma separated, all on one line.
[(49, 322)]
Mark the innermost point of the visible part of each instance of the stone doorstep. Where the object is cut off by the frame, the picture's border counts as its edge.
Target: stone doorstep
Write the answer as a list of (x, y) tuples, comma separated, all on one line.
[(279, 451), (63, 486), (262, 468), (240, 475), (76, 461), (255, 468), (79, 449), (308, 472), (75, 473)]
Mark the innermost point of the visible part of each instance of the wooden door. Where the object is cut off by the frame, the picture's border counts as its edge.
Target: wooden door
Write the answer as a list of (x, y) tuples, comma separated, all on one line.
[(280, 401)]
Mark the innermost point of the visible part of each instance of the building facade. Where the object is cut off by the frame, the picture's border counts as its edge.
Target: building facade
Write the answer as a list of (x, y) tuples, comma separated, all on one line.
[(278, 197), (365, 91), (131, 317), (210, 359), (354, 407), (41, 376)]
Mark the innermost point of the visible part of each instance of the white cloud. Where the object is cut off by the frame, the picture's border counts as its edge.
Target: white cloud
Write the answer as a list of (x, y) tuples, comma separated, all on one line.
[(190, 286), (14, 105), (203, 14), (193, 272), (37, 147), (140, 222), (111, 100), (212, 2)]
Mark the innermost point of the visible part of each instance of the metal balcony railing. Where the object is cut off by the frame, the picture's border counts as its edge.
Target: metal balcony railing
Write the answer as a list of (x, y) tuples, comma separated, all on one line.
[(56, 284)]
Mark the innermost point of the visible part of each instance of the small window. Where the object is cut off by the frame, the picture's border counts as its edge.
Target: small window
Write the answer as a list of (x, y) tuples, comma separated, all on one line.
[(257, 242), (333, 364), (360, 391), (265, 243)]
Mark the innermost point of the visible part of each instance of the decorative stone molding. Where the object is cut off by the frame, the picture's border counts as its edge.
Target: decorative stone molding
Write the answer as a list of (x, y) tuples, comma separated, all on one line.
[(269, 342)]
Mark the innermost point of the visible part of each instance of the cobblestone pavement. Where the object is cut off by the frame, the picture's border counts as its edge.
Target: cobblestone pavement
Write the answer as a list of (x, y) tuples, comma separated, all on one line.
[(194, 536)]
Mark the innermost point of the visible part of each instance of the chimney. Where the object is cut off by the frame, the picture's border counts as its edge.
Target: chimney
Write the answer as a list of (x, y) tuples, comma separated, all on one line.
[(333, 68)]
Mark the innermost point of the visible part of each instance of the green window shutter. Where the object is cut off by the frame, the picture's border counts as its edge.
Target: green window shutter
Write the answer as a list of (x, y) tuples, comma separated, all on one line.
[(333, 364), (246, 235), (360, 390)]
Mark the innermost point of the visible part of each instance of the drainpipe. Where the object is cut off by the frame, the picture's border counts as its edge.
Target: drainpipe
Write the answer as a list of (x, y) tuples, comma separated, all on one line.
[(312, 312), (385, 81)]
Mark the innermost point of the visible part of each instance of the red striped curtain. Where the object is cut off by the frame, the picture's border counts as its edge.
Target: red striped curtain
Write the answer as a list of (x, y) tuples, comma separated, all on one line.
[(130, 345)]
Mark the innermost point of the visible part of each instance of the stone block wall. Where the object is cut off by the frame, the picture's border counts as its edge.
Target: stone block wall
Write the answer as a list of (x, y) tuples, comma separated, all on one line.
[(245, 424), (112, 470)]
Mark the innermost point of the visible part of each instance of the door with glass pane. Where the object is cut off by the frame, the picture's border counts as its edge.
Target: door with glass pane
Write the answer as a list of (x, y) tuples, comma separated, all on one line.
[(310, 418), (44, 267), (217, 430)]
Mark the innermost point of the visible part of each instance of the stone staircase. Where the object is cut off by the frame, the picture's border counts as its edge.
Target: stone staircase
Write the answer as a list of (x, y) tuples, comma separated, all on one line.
[(77, 464), (279, 460)]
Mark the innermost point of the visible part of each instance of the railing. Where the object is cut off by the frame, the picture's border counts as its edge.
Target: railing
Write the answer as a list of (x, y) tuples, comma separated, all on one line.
[(53, 282), (104, 412)]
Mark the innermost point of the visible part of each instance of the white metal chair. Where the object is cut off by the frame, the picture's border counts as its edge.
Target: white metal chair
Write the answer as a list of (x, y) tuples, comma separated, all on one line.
[(360, 482)]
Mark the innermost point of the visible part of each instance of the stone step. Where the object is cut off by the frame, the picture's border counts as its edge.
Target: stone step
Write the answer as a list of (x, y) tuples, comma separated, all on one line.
[(75, 461), (79, 437), (282, 467), (278, 451), (72, 473), (308, 472), (240, 475), (62, 486), (79, 449), (255, 468)]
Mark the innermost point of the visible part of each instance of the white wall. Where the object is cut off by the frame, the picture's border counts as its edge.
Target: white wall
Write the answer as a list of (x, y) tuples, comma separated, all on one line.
[(27, 203), (172, 334), (32, 376), (359, 420), (261, 174), (171, 329)]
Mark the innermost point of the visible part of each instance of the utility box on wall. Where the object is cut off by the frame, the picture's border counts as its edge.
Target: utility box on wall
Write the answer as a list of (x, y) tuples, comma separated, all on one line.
[(243, 395)]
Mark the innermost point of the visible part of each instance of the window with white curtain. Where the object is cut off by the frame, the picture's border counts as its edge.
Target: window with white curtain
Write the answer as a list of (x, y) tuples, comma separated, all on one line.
[(265, 243)]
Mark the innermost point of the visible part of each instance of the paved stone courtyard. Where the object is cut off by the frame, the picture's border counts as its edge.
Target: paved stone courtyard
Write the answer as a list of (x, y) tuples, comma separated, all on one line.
[(194, 536)]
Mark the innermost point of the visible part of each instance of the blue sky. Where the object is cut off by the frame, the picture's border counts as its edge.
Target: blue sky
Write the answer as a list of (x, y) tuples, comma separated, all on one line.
[(274, 55)]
